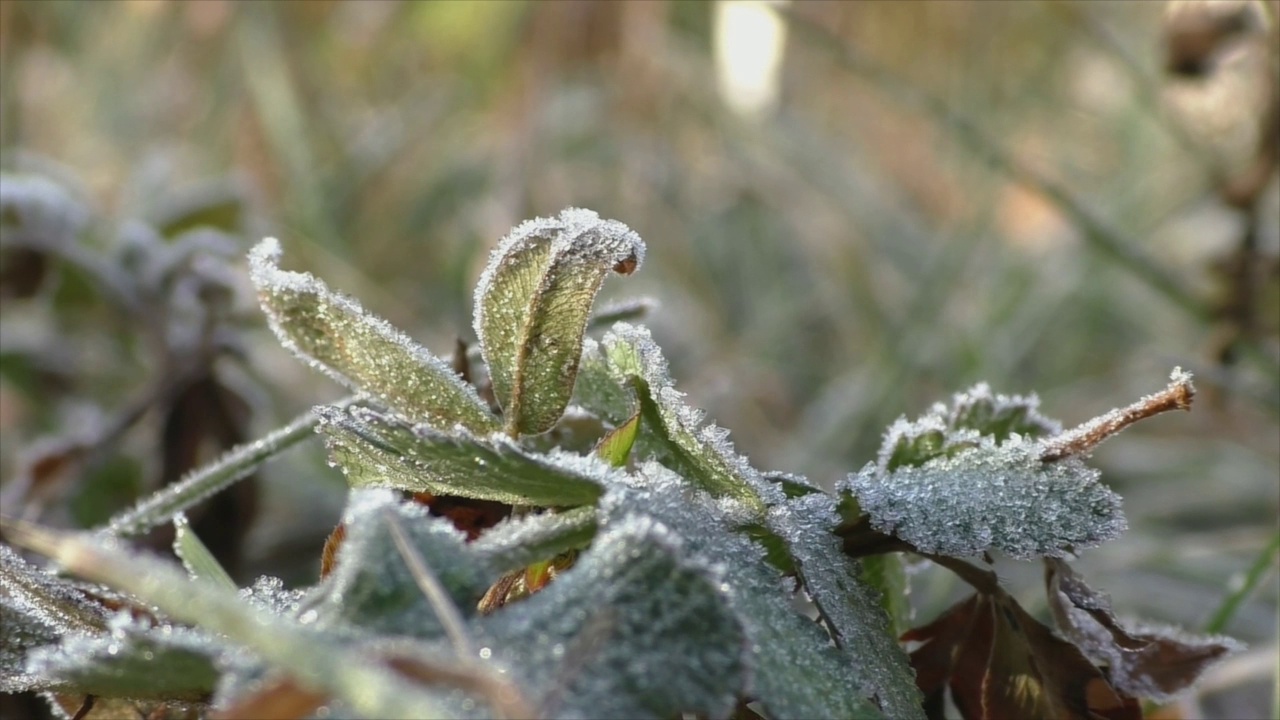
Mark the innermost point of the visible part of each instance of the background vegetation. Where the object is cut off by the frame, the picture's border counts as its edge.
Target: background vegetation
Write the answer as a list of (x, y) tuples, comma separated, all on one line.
[(943, 193)]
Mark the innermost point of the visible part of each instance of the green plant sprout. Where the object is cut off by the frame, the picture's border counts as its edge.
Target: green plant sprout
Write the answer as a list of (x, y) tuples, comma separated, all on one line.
[(645, 569)]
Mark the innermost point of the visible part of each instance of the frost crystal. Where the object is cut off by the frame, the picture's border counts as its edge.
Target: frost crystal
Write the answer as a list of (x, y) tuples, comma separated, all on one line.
[(335, 335), (991, 497)]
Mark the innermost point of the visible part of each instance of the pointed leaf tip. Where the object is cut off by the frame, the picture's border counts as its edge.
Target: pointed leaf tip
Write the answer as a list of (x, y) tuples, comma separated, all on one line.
[(338, 337), (533, 303)]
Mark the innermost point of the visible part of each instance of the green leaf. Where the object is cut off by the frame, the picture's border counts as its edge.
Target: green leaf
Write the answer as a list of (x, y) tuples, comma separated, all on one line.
[(46, 599), (991, 497), (132, 661), (372, 587), (351, 674), (796, 670), (335, 335), (886, 573), (615, 447), (521, 541), (701, 453), (377, 450), (849, 605), (638, 628), (195, 557), (948, 431), (532, 305)]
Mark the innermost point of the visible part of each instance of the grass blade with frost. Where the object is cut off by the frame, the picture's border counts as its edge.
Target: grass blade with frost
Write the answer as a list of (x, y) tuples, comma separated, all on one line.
[(236, 464)]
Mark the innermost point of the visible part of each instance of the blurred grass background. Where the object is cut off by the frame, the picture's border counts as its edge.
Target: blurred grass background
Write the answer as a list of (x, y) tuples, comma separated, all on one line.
[(936, 194)]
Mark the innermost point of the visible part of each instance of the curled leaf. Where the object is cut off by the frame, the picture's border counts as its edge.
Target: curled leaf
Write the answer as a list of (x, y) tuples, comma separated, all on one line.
[(1155, 663), (532, 305), (335, 335)]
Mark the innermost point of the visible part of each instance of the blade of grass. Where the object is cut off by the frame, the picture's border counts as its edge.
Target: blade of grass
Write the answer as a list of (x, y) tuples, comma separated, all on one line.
[(1262, 566), (236, 464)]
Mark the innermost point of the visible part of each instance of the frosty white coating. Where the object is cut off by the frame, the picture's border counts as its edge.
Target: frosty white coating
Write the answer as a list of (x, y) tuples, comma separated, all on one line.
[(532, 305), (701, 448), (332, 333)]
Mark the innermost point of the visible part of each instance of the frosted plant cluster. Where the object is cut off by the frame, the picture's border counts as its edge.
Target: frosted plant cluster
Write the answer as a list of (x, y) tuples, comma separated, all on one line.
[(639, 566)]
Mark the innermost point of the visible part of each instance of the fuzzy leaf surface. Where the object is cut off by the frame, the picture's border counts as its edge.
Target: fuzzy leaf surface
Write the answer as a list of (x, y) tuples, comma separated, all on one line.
[(991, 497), (638, 628), (532, 305), (380, 450), (848, 604), (131, 661), (521, 541), (351, 674), (698, 450), (796, 671), (338, 337), (948, 430), (372, 587)]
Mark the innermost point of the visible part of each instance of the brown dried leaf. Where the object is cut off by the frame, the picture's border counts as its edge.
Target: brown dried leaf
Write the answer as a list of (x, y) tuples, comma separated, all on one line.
[(999, 662), (1154, 663)]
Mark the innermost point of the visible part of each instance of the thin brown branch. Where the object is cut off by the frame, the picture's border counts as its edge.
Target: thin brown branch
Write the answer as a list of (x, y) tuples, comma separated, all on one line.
[(1083, 438)]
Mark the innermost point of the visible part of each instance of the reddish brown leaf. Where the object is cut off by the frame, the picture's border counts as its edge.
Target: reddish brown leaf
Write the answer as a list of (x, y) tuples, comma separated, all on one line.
[(1153, 663), (283, 699), (999, 662), (329, 557), (468, 515)]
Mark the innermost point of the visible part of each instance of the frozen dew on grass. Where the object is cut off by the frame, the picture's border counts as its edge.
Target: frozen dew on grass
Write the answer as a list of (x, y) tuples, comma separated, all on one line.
[(532, 305), (336, 336)]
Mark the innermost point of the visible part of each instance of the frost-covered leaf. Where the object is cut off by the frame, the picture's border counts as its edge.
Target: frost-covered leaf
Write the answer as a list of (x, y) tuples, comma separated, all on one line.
[(598, 391), (45, 598), (1149, 661), (949, 430), (700, 452), (615, 447), (20, 633), (37, 212), (991, 497), (371, 585), (848, 604), (132, 660), (355, 675), (521, 541), (532, 304), (195, 557), (379, 450), (335, 335), (638, 628), (796, 670)]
